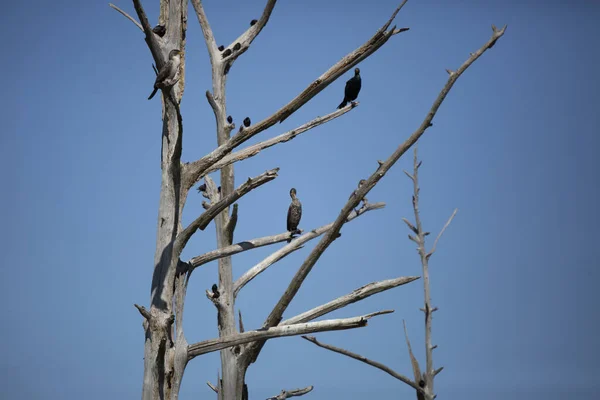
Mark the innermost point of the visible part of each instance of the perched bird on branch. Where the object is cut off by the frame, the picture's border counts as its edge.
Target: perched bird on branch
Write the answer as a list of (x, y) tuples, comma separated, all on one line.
[(253, 22), (221, 48), (215, 290), (226, 53), (352, 88), (247, 122), (167, 74), (237, 46), (229, 119), (160, 30), (294, 214)]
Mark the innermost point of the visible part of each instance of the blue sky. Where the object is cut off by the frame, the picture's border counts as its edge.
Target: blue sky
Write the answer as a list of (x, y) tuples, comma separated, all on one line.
[(513, 148)]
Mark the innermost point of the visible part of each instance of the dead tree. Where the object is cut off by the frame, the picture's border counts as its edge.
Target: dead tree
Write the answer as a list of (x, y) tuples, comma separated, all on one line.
[(423, 381), (166, 350)]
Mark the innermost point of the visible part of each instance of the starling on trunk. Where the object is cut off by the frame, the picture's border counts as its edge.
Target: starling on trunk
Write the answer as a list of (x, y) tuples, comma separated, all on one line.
[(160, 30), (352, 88)]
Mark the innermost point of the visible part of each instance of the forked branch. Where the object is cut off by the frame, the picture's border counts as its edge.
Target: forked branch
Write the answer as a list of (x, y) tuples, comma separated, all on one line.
[(286, 394), (209, 346)]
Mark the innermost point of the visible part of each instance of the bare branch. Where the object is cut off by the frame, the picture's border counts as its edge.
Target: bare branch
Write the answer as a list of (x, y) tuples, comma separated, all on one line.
[(151, 38), (238, 248), (211, 345), (293, 246), (209, 38), (356, 295), (253, 150), (241, 321), (441, 233), (365, 360), (275, 317), (213, 387), (410, 226), (413, 360), (437, 371), (145, 313), (194, 171), (286, 394), (129, 17), (203, 220)]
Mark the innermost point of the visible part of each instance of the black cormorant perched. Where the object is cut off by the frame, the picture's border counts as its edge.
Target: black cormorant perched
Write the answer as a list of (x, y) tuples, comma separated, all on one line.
[(254, 21), (160, 30), (294, 213), (229, 119), (352, 88), (221, 48), (247, 122), (215, 290), (167, 72), (226, 53), (237, 47)]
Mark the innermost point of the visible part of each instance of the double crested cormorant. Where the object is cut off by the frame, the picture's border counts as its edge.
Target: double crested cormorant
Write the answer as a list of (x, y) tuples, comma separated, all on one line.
[(226, 53), (229, 119), (160, 30), (215, 290), (352, 88), (237, 47), (254, 21), (294, 214), (221, 48), (167, 72), (247, 122)]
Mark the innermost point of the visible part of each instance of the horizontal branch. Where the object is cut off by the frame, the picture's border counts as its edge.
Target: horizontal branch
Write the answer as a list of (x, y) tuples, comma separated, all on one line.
[(356, 295), (286, 394), (204, 219), (129, 17), (253, 150), (366, 361), (237, 248), (211, 345), (293, 246), (195, 170)]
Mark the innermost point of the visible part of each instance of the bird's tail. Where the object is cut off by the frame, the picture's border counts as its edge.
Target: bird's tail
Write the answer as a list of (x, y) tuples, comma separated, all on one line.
[(342, 104), (153, 93)]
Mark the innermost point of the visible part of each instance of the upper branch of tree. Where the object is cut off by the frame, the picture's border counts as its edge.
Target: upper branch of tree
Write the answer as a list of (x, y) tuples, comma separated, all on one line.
[(253, 150), (204, 219), (211, 345), (196, 169), (151, 39), (276, 314), (237, 248), (294, 245), (356, 295), (366, 361), (129, 17), (209, 38), (286, 394)]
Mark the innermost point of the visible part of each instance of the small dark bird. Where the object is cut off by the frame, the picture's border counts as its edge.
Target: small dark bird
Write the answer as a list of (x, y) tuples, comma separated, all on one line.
[(202, 188), (215, 290), (247, 122), (352, 88), (226, 53), (254, 21), (294, 214), (160, 30), (229, 119), (421, 383), (168, 72), (221, 48), (237, 47)]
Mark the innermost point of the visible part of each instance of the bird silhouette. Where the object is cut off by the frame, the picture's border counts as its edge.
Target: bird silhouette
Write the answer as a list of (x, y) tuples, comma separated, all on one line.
[(352, 88), (294, 214)]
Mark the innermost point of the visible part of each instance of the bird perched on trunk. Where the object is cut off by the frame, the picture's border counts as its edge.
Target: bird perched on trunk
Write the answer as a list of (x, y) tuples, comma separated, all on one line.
[(294, 214), (160, 30), (167, 74), (352, 88)]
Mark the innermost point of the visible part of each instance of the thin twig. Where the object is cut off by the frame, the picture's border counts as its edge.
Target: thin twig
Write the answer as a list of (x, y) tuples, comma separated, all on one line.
[(286, 394), (129, 17), (441, 233)]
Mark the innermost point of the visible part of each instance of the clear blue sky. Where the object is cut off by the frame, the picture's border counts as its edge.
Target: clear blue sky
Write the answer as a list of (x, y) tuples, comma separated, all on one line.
[(514, 147)]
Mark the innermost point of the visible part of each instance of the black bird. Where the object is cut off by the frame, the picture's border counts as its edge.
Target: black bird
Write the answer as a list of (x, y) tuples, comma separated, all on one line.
[(221, 48), (202, 188), (294, 214), (229, 119), (253, 22), (215, 290), (160, 30), (247, 122), (168, 72), (237, 47), (352, 88), (226, 53)]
